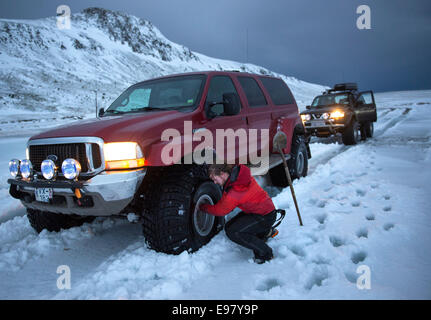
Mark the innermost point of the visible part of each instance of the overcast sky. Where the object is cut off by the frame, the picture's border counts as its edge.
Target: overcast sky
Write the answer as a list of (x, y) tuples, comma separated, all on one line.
[(316, 41)]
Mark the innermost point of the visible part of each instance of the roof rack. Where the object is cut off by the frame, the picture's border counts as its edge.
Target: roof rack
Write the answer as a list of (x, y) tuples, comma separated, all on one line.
[(350, 86)]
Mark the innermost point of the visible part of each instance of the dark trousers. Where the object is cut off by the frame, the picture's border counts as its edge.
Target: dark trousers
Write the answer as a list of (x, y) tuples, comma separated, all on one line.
[(249, 230)]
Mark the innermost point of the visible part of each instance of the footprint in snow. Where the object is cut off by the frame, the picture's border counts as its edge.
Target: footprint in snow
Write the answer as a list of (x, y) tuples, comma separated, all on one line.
[(358, 257), (361, 174), (362, 233), (351, 277), (361, 192), (321, 218), (268, 284), (374, 185), (370, 217), (356, 203), (298, 251), (387, 208), (312, 201), (321, 204), (337, 241), (388, 226), (319, 275), (387, 197)]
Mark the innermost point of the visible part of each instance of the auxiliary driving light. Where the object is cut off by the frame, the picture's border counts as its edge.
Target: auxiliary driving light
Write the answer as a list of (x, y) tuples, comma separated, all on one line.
[(14, 165), (71, 168), (325, 116), (49, 169), (26, 168)]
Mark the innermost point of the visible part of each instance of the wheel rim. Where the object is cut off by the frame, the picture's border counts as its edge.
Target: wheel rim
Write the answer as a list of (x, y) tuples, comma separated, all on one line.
[(300, 163), (203, 222), (356, 133)]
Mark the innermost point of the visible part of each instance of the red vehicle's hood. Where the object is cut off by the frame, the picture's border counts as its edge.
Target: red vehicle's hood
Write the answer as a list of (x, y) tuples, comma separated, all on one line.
[(133, 127)]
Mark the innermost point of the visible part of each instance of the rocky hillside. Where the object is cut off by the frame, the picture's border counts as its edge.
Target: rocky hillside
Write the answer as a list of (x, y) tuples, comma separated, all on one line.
[(49, 75)]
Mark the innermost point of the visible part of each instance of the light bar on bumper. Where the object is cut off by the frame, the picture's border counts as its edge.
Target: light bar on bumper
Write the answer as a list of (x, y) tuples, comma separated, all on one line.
[(123, 155)]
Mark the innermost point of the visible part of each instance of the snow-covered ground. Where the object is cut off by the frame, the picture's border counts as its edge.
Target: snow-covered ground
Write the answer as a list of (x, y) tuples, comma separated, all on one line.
[(361, 205)]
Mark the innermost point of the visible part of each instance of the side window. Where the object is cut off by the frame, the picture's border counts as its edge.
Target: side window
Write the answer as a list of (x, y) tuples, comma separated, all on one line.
[(366, 98), (218, 86), (278, 91), (254, 94)]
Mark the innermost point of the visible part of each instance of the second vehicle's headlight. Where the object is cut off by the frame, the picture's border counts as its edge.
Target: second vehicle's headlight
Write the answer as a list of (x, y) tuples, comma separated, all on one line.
[(71, 168), (123, 155), (26, 168), (305, 117), (337, 114)]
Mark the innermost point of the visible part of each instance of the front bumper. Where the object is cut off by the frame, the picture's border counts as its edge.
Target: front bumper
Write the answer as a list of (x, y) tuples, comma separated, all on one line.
[(106, 194), (317, 125)]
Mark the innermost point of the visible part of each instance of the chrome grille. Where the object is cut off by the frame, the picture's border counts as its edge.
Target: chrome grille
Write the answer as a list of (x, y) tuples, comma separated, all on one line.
[(87, 150), (77, 151)]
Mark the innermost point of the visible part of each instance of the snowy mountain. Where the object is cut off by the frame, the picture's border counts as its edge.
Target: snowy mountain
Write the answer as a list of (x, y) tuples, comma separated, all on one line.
[(49, 75)]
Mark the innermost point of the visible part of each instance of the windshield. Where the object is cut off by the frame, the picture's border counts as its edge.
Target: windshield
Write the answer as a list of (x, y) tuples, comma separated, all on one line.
[(164, 94), (329, 99)]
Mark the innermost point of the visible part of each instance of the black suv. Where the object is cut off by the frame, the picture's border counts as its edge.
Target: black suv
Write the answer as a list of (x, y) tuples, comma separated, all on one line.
[(344, 110)]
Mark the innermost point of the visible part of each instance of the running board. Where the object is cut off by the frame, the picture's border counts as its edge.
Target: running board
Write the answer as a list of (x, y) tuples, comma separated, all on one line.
[(262, 168)]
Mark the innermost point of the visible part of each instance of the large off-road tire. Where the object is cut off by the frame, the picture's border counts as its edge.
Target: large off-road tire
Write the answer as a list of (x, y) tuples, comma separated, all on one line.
[(41, 220), (171, 221), (369, 129), (298, 164), (352, 133)]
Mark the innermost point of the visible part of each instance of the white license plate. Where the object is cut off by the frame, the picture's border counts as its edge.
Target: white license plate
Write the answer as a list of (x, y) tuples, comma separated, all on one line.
[(318, 123), (43, 194)]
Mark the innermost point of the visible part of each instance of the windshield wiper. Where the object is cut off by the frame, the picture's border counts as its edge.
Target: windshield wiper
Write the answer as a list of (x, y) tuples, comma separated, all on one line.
[(149, 109), (114, 111)]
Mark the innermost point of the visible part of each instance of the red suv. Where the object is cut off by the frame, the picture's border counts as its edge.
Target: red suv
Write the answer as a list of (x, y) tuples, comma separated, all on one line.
[(139, 155)]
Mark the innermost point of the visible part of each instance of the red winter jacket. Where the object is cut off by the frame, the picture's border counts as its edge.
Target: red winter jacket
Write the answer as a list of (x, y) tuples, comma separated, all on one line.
[(241, 190)]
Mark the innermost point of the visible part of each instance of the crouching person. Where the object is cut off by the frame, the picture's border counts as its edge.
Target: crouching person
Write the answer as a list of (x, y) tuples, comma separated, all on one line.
[(253, 226)]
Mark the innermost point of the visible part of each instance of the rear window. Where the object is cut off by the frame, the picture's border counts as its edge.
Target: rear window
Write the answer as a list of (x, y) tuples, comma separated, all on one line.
[(254, 94), (278, 91)]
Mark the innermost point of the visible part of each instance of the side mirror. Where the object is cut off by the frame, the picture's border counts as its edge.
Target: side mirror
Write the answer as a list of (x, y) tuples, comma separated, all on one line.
[(308, 107), (231, 103), (101, 112)]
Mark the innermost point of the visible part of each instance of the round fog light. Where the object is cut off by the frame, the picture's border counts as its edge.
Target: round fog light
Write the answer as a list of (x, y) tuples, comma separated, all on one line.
[(14, 167), (48, 169), (26, 168), (71, 168), (325, 116)]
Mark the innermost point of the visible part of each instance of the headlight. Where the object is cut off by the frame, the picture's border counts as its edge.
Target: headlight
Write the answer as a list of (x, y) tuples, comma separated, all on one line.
[(14, 167), (123, 155), (26, 168), (71, 168), (49, 170), (305, 117), (325, 116), (337, 114)]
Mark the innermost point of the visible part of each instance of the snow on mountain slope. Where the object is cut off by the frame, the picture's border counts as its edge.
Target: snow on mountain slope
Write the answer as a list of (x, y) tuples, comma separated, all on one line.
[(361, 205), (49, 76)]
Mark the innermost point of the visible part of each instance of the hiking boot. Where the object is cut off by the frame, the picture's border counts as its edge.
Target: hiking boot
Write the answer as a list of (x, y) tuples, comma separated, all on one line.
[(260, 260)]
